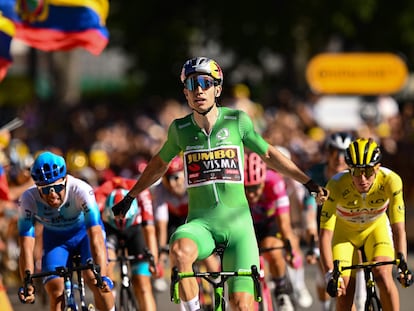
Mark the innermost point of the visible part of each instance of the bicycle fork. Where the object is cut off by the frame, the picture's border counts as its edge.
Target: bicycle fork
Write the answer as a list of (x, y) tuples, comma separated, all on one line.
[(124, 275), (371, 291), (70, 303)]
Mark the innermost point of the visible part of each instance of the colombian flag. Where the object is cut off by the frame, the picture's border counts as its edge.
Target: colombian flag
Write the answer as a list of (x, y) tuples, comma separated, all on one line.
[(61, 25), (7, 31)]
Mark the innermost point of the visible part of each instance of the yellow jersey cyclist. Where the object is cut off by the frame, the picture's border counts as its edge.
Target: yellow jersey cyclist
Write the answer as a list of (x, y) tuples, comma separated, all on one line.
[(364, 203)]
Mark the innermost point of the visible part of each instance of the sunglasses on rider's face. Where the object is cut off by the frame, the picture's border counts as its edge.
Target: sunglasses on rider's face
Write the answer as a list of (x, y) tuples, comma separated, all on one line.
[(52, 188), (368, 171), (253, 188), (174, 177), (194, 82)]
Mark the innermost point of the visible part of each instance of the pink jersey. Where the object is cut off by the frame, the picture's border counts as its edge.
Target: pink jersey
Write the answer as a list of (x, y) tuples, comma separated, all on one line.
[(274, 200)]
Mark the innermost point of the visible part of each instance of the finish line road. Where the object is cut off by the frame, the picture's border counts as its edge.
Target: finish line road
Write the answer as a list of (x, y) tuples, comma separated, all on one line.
[(164, 303)]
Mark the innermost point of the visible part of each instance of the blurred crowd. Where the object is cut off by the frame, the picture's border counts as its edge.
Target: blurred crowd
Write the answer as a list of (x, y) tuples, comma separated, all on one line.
[(101, 140)]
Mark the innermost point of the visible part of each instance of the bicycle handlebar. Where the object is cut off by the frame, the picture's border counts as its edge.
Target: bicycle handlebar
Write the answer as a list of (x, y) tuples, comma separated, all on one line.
[(210, 277), (145, 256), (62, 271), (333, 284), (287, 246), (407, 280)]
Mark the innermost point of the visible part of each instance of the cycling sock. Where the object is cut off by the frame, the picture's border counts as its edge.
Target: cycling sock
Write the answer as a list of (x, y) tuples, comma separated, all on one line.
[(192, 305), (281, 285), (326, 304), (299, 276)]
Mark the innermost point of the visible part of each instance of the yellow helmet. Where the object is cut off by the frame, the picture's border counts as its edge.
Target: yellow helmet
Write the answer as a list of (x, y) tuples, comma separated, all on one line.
[(363, 152), (99, 159), (76, 160), (4, 139)]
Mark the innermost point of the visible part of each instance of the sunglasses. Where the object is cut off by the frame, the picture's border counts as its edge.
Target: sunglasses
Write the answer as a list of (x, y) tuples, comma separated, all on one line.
[(204, 82), (55, 188), (174, 177), (358, 171), (253, 188)]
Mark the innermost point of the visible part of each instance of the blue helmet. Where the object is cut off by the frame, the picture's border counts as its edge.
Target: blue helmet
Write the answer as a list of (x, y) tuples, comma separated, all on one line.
[(47, 168)]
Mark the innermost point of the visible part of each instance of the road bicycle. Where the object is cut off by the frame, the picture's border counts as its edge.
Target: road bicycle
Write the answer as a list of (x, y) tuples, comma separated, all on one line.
[(372, 302), (217, 280), (70, 303), (268, 303), (127, 301)]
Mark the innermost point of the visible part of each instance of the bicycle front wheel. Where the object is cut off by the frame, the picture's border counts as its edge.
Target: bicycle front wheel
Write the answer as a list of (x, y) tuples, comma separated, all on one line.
[(373, 304), (127, 300)]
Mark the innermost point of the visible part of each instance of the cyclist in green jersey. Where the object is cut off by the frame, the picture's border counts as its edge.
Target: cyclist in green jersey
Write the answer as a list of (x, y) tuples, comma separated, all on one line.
[(211, 139)]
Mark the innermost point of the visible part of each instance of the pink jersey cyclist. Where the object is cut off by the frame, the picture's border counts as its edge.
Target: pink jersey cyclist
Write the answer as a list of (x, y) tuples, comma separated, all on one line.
[(270, 208), (274, 200)]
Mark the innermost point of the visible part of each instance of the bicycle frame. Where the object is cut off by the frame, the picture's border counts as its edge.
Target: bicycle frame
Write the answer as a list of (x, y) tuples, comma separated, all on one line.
[(126, 296), (267, 303), (372, 302), (127, 301), (66, 273), (217, 280)]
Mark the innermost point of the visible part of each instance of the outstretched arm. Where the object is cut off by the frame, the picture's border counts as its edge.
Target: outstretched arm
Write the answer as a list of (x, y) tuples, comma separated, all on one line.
[(154, 171), (279, 162)]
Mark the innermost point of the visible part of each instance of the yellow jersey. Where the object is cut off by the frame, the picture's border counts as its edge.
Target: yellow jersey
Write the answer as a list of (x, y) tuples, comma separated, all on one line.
[(358, 211)]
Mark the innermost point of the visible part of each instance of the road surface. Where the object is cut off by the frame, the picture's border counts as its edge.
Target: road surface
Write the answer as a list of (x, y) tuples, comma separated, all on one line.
[(164, 304)]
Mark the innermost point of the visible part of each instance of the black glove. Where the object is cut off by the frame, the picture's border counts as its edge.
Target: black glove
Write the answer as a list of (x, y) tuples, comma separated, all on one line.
[(407, 278), (27, 291), (122, 207), (312, 187)]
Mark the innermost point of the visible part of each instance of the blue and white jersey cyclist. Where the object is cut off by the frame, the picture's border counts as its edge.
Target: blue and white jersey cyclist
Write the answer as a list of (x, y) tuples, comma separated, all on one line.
[(66, 209)]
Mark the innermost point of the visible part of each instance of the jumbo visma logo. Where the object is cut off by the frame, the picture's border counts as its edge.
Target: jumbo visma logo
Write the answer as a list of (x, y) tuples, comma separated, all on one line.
[(213, 165), (212, 156)]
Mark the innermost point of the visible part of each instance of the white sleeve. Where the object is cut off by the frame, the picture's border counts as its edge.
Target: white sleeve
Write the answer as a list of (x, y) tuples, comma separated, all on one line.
[(161, 212)]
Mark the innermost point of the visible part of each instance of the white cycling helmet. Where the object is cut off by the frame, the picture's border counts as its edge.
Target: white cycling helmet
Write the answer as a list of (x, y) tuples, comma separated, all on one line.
[(339, 140), (202, 65)]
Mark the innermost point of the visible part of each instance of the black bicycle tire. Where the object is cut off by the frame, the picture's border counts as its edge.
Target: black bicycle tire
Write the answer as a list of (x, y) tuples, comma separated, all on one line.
[(373, 304), (126, 300), (266, 299)]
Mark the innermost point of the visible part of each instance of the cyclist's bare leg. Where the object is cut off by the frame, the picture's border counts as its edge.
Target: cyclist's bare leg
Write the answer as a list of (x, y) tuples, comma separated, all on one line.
[(345, 301), (277, 263), (110, 268), (212, 263), (183, 253), (104, 300), (390, 299), (54, 289), (241, 301), (323, 296), (143, 291)]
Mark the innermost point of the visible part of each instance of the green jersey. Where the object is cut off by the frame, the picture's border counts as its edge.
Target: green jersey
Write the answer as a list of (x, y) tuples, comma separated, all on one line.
[(214, 163), (218, 211)]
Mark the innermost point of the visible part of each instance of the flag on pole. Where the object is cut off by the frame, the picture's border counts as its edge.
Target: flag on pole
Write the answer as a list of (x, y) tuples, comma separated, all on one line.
[(7, 31), (61, 25)]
